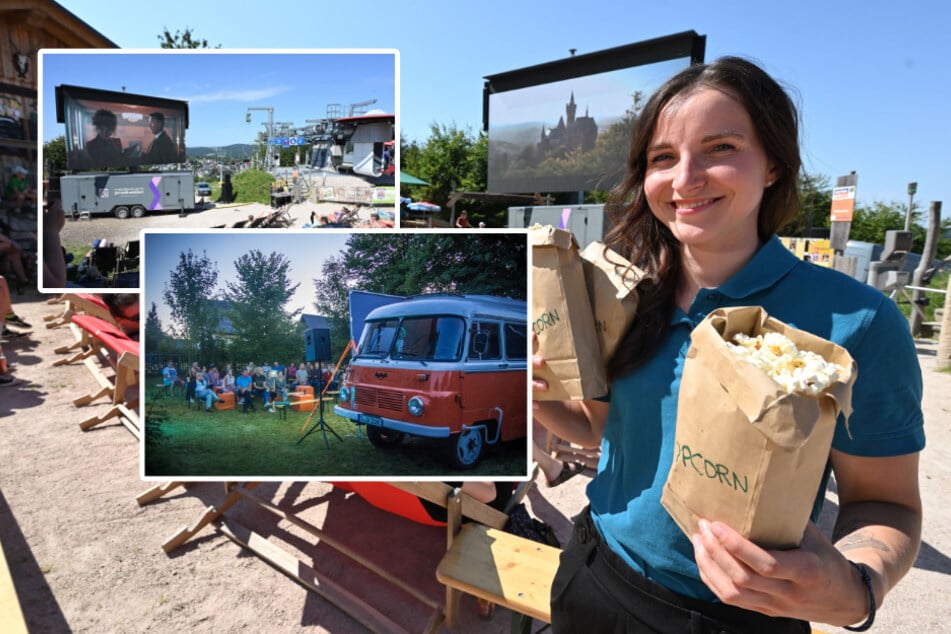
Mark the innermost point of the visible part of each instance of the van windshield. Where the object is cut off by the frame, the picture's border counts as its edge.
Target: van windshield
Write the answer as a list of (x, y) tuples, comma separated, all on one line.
[(431, 338), (377, 338)]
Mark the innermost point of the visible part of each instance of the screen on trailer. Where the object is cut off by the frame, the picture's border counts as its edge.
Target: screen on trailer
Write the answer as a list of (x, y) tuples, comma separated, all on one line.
[(115, 130), (565, 126)]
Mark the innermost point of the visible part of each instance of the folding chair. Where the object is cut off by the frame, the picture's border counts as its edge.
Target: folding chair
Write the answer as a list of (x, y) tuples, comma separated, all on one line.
[(78, 303), (401, 494), (111, 343)]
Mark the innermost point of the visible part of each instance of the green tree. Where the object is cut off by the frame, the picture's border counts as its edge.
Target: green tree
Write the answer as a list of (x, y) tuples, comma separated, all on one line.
[(187, 293), (409, 264), (451, 159), (333, 299), (153, 329), (182, 39), (815, 198), (869, 223), (264, 330), (54, 153)]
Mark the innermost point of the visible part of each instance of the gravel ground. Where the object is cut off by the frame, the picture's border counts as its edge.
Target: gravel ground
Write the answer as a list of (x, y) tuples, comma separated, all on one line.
[(81, 233)]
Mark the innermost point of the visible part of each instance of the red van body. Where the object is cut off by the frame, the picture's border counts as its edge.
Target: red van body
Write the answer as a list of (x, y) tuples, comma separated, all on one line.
[(441, 366)]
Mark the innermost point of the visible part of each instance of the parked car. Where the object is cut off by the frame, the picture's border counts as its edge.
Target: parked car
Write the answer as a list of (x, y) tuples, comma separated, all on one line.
[(203, 189)]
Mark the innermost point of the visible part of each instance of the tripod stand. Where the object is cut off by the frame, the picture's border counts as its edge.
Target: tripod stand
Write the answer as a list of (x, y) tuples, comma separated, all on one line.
[(320, 408)]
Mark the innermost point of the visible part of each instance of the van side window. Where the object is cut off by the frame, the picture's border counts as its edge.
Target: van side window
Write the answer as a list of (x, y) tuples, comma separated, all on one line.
[(515, 340), (484, 341)]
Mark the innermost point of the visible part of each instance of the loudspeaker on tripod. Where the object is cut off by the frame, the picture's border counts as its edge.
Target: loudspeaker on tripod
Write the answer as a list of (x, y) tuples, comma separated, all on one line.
[(317, 344)]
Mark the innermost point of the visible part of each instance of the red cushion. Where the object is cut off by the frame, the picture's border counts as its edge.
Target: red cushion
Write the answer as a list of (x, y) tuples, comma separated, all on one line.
[(110, 335), (391, 499)]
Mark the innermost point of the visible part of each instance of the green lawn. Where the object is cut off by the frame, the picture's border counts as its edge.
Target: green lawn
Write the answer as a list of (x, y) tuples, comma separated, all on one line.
[(182, 442)]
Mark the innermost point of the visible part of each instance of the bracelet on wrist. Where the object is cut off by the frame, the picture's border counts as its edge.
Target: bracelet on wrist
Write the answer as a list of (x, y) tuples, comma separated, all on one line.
[(867, 582)]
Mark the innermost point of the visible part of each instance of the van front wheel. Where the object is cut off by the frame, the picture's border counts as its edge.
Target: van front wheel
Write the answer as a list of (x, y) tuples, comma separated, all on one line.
[(466, 448), (383, 438)]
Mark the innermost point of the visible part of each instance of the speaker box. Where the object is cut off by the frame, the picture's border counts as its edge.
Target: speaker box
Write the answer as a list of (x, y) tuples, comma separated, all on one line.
[(317, 344)]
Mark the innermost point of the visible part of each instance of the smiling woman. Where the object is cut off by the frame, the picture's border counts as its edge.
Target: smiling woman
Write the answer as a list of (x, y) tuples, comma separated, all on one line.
[(711, 177)]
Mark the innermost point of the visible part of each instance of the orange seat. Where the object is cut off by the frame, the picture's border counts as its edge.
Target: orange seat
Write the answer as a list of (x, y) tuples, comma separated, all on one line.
[(302, 401), (227, 401)]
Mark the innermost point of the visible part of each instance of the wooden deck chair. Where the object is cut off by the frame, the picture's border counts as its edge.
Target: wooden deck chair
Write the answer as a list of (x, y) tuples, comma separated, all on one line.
[(127, 372), (87, 329), (110, 343), (112, 346), (350, 602), (79, 303)]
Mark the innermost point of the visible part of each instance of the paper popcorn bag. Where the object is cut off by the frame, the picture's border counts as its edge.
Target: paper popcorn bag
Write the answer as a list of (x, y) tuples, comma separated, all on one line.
[(748, 452), (612, 289), (562, 321)]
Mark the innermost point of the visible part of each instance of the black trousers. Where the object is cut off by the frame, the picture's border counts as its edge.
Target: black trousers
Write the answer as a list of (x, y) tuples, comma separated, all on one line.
[(595, 590)]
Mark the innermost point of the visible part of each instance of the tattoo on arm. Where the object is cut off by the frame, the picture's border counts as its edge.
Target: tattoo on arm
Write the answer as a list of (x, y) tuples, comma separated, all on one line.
[(860, 538)]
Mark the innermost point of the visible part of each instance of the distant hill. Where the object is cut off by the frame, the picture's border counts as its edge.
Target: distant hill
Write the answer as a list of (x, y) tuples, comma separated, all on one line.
[(236, 151)]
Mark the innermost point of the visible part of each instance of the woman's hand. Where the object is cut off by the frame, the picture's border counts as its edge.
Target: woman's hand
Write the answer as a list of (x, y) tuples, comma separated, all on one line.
[(814, 582), (538, 385), (580, 422)]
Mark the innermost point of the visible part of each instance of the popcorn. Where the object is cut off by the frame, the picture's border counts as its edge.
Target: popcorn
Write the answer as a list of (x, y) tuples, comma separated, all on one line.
[(796, 370)]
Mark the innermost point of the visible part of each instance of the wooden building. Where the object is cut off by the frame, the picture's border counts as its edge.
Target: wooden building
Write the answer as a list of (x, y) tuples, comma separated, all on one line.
[(26, 26)]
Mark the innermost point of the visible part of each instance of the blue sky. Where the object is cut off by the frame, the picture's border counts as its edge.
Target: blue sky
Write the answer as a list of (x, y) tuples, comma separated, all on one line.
[(871, 77), (220, 86), (306, 252)]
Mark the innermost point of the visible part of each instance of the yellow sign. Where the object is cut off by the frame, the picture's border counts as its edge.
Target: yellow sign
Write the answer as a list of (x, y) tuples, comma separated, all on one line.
[(815, 250)]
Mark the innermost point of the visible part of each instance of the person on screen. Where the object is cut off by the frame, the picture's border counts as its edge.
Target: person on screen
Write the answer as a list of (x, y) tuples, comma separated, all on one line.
[(162, 148), (104, 150)]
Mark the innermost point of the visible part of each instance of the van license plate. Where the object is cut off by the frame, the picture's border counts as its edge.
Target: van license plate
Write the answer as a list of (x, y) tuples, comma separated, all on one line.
[(366, 419)]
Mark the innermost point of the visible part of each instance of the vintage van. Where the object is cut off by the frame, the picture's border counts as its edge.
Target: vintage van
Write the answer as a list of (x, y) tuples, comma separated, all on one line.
[(445, 366)]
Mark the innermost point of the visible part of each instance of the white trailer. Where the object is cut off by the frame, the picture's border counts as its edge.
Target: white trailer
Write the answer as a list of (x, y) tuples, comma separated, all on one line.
[(587, 222), (128, 195)]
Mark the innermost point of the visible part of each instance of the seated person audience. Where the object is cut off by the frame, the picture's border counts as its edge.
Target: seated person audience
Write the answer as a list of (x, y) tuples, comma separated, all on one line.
[(243, 391), (18, 190), (124, 308), (204, 392), (227, 381), (259, 387)]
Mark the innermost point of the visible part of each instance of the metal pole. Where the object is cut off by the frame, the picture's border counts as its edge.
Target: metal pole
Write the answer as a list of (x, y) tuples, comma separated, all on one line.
[(927, 260), (912, 188)]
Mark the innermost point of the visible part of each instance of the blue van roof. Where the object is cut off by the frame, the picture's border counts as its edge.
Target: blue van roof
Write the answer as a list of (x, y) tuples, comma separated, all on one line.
[(454, 304)]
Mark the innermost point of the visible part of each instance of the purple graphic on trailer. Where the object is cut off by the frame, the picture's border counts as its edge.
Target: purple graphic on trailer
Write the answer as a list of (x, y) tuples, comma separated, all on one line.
[(565, 214), (157, 201)]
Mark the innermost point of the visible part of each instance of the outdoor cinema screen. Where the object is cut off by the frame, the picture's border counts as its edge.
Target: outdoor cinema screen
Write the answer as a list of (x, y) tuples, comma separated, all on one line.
[(106, 129), (565, 126)]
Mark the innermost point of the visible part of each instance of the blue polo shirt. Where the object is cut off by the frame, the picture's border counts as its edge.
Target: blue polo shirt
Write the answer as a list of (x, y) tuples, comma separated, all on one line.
[(638, 442)]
